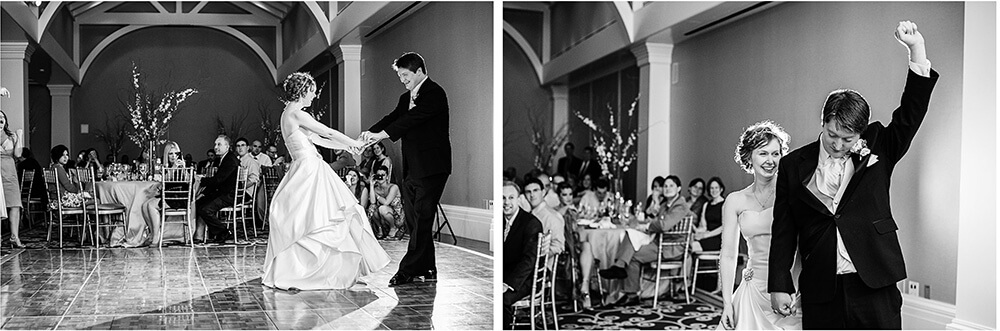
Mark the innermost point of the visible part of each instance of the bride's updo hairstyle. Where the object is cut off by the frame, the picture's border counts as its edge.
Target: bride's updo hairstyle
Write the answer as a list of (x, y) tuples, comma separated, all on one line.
[(757, 136), (296, 86)]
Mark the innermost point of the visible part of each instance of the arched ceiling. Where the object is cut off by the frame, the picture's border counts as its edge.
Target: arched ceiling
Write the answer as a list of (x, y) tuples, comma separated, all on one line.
[(73, 33)]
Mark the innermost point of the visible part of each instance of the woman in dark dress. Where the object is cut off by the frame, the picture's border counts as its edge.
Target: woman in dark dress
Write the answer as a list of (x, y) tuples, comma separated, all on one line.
[(709, 230)]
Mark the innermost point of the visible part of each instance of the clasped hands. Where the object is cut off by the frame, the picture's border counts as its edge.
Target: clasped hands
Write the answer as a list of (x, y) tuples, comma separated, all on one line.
[(366, 139)]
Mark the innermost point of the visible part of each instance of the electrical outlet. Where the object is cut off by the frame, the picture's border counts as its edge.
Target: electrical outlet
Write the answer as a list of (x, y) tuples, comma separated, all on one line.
[(913, 288)]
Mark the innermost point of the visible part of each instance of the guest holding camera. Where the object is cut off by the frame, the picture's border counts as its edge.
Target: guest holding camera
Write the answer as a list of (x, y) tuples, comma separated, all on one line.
[(386, 208)]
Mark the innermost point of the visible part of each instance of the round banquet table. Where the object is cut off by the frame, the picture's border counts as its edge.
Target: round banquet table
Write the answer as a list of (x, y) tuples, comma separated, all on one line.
[(604, 244), (132, 195)]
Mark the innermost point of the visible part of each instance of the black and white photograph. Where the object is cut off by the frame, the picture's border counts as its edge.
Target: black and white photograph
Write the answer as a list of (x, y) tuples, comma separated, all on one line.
[(749, 165), (247, 165)]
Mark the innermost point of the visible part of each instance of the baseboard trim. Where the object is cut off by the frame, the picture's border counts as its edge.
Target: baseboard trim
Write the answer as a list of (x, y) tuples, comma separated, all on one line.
[(468, 222), (925, 314), (960, 324)]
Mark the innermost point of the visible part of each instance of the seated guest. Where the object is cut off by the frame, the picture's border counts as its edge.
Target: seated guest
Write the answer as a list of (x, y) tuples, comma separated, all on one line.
[(247, 161), (124, 159), (272, 152), (80, 161), (94, 161), (367, 160), (69, 189), (586, 185), (109, 160), (189, 160), (708, 231), (552, 222), (627, 257), (386, 210), (381, 159), (218, 191), (558, 179), (599, 198), (344, 161), (151, 208), (520, 242), (551, 197), (696, 198), (566, 205), (256, 151), (510, 174), (209, 162), (352, 177), (654, 203)]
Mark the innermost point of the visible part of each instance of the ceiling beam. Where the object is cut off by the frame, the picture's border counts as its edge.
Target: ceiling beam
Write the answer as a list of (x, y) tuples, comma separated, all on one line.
[(254, 10), (159, 7), (268, 9), (197, 8), (24, 17), (182, 19), (79, 8), (528, 6), (98, 9)]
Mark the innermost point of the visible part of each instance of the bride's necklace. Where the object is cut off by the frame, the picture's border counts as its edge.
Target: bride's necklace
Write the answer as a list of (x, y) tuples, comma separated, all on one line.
[(768, 197)]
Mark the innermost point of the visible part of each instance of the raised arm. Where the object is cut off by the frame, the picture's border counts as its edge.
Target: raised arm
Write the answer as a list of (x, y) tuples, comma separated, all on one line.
[(727, 258), (914, 102)]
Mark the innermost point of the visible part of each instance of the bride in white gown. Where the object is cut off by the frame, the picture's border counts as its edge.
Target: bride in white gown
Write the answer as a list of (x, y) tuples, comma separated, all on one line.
[(749, 212), (319, 237)]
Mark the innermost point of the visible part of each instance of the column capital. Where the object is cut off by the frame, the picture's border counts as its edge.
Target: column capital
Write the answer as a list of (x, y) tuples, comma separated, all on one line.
[(19, 50), (60, 90), (652, 53), (346, 53), (559, 91)]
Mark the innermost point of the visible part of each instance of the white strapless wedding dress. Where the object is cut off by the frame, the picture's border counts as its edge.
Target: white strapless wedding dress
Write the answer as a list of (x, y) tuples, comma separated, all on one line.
[(319, 237), (751, 301)]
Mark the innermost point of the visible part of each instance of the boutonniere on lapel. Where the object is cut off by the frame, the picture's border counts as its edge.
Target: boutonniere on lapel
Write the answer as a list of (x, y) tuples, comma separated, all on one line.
[(861, 150)]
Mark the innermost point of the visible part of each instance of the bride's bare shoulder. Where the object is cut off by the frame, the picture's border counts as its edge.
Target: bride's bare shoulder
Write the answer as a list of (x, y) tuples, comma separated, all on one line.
[(738, 199)]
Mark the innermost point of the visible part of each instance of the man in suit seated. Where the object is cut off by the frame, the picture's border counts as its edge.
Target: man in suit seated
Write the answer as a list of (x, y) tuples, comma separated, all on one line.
[(211, 161), (219, 191), (520, 244), (628, 260)]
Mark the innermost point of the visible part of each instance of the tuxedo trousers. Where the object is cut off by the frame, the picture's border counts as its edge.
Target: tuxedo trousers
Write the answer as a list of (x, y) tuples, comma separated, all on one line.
[(420, 202), (855, 306)]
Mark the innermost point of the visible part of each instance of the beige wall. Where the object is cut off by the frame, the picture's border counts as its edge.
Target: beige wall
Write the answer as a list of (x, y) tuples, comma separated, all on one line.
[(455, 39), (780, 64)]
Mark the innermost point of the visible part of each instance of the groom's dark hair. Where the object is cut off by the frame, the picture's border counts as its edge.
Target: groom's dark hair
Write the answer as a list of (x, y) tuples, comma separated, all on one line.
[(849, 108), (411, 61)]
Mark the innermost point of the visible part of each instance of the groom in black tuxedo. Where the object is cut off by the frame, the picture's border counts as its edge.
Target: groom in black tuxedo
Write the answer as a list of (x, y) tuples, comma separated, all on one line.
[(832, 200), (421, 120)]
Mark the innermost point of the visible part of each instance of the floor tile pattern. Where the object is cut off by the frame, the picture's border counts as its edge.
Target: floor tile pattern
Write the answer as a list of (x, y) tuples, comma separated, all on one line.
[(218, 287)]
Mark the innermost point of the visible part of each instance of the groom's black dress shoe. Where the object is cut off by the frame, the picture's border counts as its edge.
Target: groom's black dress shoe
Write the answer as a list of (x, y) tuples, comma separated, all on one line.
[(400, 279), (627, 301), (429, 276)]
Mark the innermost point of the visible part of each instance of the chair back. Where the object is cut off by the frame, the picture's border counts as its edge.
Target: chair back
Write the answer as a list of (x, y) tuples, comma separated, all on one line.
[(177, 184), (685, 229), (27, 176), (52, 188), (540, 271), (210, 171), (272, 177), (240, 193)]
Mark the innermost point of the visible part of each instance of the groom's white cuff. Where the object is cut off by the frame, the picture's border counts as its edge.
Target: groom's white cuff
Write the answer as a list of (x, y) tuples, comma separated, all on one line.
[(922, 69)]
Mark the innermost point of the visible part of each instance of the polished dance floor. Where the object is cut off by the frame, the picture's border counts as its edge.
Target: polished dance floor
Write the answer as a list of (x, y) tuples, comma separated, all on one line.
[(218, 287)]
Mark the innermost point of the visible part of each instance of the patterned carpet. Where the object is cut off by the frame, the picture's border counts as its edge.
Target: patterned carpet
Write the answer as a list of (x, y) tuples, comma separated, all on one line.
[(666, 316)]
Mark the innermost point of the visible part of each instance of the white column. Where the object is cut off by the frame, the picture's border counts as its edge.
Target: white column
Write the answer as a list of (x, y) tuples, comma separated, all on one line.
[(14, 58), (560, 116), (975, 289), (653, 158), (61, 129), (348, 88)]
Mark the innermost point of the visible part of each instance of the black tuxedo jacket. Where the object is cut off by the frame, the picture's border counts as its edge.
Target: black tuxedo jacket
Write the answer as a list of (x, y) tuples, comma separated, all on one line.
[(568, 165), (224, 181), (424, 130), (593, 168), (863, 215), (519, 250)]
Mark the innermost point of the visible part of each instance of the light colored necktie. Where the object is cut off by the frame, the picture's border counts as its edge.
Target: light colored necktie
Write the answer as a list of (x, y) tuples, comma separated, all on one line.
[(833, 172), (413, 98), (506, 230)]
